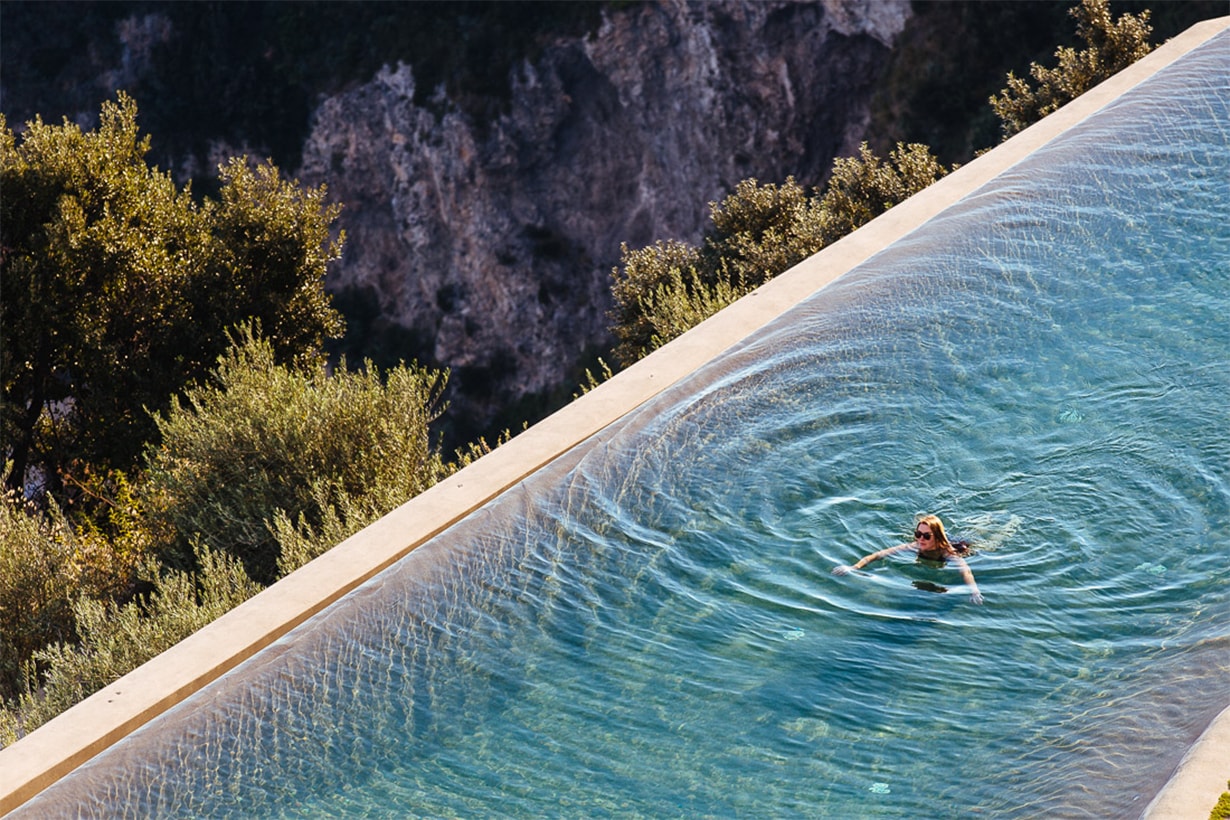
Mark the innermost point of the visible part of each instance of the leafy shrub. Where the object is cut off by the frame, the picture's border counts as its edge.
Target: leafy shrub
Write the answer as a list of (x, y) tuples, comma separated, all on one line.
[(643, 272), (46, 566), (38, 581), (863, 187), (1221, 811), (337, 514), (664, 289), (115, 639), (264, 438), (1111, 47), (758, 232)]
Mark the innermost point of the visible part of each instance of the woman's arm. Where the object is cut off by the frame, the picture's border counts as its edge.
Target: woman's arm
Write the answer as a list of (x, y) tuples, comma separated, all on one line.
[(867, 559), (968, 575)]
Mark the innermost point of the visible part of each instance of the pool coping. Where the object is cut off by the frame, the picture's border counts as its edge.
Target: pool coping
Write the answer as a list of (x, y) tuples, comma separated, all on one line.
[(1199, 779), (53, 750)]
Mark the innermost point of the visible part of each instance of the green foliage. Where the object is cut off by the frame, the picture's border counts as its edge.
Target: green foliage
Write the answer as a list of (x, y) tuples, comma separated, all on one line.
[(117, 289), (335, 516), (46, 566), (758, 232), (264, 438), (1111, 46), (676, 306), (664, 289), (115, 639), (1221, 811), (39, 579), (591, 381), (953, 55), (863, 187), (644, 271), (270, 246)]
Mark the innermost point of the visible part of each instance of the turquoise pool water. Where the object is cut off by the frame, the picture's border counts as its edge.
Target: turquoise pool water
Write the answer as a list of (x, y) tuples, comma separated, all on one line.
[(650, 626)]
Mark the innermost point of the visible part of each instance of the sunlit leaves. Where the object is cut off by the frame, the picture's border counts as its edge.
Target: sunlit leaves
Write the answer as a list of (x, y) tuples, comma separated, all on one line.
[(117, 289), (1111, 46), (758, 232), (263, 438)]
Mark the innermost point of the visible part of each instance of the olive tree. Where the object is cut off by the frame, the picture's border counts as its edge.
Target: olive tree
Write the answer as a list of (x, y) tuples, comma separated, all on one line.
[(263, 442), (117, 288)]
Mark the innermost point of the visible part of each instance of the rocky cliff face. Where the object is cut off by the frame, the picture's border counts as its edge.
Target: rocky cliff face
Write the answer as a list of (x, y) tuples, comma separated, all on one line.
[(488, 247), (484, 246)]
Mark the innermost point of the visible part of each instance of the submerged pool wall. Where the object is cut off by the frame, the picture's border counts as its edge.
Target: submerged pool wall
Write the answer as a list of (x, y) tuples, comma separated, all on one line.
[(50, 752)]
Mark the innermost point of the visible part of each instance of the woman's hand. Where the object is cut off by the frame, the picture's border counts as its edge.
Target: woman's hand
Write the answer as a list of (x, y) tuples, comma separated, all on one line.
[(976, 597), (842, 569)]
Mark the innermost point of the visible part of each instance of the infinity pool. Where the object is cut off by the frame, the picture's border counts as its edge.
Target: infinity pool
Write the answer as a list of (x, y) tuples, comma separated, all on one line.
[(649, 627)]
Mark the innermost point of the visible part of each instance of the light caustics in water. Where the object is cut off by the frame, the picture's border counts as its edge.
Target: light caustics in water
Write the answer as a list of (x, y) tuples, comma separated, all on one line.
[(650, 627)]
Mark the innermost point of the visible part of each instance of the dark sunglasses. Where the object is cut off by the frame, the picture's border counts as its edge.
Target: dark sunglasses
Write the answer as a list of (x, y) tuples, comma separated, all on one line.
[(925, 536)]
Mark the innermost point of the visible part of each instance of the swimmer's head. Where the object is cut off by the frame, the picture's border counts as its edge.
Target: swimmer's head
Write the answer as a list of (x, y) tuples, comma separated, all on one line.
[(929, 534)]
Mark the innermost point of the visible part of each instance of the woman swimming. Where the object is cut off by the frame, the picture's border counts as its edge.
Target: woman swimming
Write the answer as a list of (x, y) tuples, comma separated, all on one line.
[(930, 543)]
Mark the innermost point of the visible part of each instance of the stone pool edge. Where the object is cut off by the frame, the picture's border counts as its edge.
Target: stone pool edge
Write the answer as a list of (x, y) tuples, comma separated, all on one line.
[(1200, 778), (53, 750)]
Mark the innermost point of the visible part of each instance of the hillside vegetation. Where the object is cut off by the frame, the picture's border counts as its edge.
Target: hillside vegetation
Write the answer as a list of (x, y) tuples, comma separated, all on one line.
[(761, 230)]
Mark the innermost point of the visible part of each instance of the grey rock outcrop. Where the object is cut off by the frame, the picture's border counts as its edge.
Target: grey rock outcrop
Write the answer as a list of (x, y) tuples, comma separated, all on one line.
[(488, 247)]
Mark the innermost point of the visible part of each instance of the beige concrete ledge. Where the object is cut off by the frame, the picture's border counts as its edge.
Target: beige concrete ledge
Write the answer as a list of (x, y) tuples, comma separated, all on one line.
[(1200, 778), (53, 750)]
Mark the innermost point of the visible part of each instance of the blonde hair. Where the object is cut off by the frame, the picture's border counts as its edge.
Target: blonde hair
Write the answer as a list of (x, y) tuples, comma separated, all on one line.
[(937, 531)]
